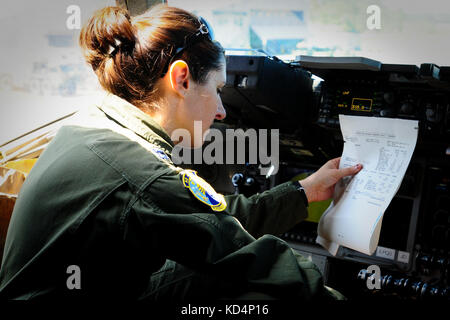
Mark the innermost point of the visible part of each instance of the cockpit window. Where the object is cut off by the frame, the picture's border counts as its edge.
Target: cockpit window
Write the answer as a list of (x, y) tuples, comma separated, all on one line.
[(401, 31)]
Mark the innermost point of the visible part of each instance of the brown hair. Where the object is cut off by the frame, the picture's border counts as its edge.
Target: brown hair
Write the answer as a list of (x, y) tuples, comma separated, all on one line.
[(129, 55)]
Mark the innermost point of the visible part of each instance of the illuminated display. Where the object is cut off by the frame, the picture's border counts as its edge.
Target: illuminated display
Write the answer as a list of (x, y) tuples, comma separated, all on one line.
[(359, 104)]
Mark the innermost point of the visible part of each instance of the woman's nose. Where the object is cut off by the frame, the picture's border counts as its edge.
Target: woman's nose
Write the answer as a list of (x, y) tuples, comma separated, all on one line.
[(221, 113)]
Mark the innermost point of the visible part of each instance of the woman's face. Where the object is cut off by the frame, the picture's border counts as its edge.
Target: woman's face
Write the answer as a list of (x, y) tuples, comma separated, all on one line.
[(202, 105)]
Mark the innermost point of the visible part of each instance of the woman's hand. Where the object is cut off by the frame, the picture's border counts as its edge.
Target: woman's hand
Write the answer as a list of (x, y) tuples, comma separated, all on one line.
[(320, 185)]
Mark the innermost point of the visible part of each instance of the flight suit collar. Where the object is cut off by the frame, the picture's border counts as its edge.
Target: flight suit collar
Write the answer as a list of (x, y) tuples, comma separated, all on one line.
[(136, 120)]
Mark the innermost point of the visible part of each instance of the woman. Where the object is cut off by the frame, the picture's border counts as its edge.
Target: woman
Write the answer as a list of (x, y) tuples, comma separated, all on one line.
[(104, 206)]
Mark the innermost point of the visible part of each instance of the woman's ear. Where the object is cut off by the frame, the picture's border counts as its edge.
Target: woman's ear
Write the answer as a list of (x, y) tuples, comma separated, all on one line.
[(179, 77)]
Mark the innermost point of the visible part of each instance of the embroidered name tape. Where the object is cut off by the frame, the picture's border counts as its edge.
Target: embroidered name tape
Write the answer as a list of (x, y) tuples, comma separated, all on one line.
[(202, 190)]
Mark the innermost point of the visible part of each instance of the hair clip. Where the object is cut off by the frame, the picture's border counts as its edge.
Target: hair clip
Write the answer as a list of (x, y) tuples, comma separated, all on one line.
[(113, 48)]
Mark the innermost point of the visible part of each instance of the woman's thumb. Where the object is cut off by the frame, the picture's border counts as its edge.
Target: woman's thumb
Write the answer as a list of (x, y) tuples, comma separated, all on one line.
[(348, 171)]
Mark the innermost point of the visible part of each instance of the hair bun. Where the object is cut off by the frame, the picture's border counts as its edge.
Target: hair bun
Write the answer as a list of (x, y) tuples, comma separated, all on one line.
[(108, 31), (130, 55)]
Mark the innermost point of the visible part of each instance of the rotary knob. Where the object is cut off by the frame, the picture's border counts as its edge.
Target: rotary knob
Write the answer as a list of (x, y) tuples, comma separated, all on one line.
[(407, 108)]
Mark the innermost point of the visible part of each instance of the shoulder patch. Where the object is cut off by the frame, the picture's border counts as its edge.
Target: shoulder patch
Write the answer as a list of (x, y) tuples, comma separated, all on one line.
[(160, 154), (202, 190)]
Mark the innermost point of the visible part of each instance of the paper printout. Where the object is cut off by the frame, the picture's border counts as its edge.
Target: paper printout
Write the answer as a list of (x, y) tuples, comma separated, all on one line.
[(384, 146)]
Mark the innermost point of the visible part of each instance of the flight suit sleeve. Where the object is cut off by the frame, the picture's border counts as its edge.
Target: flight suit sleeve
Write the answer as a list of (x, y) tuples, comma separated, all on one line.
[(167, 221), (215, 243), (274, 211)]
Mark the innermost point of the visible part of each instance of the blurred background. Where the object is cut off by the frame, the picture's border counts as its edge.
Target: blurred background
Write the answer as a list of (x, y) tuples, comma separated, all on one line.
[(41, 66)]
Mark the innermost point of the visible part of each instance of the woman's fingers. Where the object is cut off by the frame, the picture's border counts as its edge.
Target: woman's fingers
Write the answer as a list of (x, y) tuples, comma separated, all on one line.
[(333, 163), (348, 171)]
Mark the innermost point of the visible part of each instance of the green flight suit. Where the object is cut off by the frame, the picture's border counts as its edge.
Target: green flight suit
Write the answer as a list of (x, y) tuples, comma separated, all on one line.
[(104, 196)]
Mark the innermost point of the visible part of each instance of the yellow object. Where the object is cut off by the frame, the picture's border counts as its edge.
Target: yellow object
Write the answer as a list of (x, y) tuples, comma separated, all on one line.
[(360, 104), (203, 191), (24, 166), (315, 209)]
